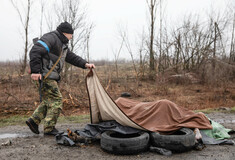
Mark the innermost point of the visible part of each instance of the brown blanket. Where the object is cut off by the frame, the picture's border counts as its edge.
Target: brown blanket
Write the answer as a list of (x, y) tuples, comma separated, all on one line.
[(157, 116), (162, 115)]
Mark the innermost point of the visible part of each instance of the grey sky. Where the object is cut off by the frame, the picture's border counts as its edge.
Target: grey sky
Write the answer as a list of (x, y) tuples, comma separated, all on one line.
[(107, 15)]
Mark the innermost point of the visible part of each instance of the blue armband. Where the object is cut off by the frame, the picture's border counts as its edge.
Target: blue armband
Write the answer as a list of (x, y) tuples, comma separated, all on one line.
[(44, 45)]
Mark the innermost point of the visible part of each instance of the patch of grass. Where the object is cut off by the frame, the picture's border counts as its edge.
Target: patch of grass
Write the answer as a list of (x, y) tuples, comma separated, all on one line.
[(233, 109), (13, 120), (20, 120), (208, 110), (211, 110), (74, 119)]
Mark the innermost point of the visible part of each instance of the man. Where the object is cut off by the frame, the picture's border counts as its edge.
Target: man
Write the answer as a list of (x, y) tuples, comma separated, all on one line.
[(45, 53)]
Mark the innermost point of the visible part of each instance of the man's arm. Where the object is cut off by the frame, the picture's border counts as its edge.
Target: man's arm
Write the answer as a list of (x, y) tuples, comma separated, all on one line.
[(78, 61), (38, 50), (35, 61), (35, 55)]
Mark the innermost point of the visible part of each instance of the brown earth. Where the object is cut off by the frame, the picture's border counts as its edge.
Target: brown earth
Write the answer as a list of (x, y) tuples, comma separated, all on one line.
[(36, 147), (19, 94)]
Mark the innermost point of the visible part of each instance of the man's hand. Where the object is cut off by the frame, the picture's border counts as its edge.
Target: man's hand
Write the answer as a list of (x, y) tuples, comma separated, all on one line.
[(87, 65), (36, 77)]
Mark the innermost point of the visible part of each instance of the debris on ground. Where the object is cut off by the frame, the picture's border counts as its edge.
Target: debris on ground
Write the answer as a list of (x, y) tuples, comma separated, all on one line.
[(7, 143)]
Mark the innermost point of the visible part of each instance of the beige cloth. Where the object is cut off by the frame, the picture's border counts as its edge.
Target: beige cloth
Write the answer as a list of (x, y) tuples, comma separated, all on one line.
[(102, 107), (157, 116)]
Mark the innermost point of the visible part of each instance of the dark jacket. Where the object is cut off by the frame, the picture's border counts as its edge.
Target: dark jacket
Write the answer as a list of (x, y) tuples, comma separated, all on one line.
[(41, 61)]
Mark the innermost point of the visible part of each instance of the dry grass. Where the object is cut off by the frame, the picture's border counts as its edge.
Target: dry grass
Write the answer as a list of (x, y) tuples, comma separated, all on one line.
[(19, 94)]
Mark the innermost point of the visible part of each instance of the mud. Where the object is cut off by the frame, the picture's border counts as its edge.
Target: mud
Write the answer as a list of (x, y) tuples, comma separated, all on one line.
[(26, 145)]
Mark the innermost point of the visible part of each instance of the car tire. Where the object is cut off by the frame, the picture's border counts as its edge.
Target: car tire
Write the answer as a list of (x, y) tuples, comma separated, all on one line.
[(181, 141), (117, 143)]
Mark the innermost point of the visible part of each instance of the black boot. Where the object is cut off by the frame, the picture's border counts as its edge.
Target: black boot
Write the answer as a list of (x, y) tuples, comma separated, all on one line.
[(32, 125), (53, 132)]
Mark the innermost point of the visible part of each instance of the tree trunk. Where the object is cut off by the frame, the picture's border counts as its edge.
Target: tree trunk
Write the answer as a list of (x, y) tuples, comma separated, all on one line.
[(152, 6), (23, 67)]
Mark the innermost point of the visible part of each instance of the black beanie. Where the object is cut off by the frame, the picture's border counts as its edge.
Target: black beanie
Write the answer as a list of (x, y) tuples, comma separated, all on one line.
[(65, 27)]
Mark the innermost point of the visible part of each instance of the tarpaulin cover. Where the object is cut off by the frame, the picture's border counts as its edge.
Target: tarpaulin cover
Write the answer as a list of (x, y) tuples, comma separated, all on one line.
[(218, 132), (209, 140), (95, 130), (156, 116), (92, 132)]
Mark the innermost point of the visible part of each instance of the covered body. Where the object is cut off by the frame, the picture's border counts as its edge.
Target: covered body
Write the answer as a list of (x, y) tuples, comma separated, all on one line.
[(157, 116)]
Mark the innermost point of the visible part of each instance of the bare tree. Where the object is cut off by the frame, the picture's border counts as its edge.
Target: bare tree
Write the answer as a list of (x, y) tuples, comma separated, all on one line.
[(232, 51), (116, 57), (142, 55), (160, 48), (24, 19), (50, 18), (138, 65), (152, 6), (73, 12), (87, 39), (42, 13)]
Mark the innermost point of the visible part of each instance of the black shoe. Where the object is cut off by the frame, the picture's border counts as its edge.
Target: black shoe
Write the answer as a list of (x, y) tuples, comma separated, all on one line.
[(53, 132), (32, 125)]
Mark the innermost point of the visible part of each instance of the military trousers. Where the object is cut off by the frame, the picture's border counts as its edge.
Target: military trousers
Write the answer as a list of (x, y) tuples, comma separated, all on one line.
[(50, 107)]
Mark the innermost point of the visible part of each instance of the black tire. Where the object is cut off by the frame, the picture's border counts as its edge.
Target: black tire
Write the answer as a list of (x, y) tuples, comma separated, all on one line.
[(117, 143), (181, 141)]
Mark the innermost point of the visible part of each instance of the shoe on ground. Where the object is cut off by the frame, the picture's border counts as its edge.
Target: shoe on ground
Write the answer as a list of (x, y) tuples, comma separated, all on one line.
[(53, 132), (32, 126)]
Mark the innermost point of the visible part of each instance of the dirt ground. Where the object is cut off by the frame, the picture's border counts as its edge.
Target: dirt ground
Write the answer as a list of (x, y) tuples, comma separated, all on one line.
[(31, 146)]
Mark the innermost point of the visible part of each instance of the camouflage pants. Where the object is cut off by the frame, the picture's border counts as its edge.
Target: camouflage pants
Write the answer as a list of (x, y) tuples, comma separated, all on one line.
[(50, 107)]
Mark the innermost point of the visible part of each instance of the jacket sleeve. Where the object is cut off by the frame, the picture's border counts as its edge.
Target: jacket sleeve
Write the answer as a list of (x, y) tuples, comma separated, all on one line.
[(38, 51), (75, 60), (35, 55)]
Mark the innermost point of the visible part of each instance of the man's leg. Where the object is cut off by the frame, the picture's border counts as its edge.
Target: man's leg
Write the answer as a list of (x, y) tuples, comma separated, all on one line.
[(38, 115), (51, 119), (54, 106)]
